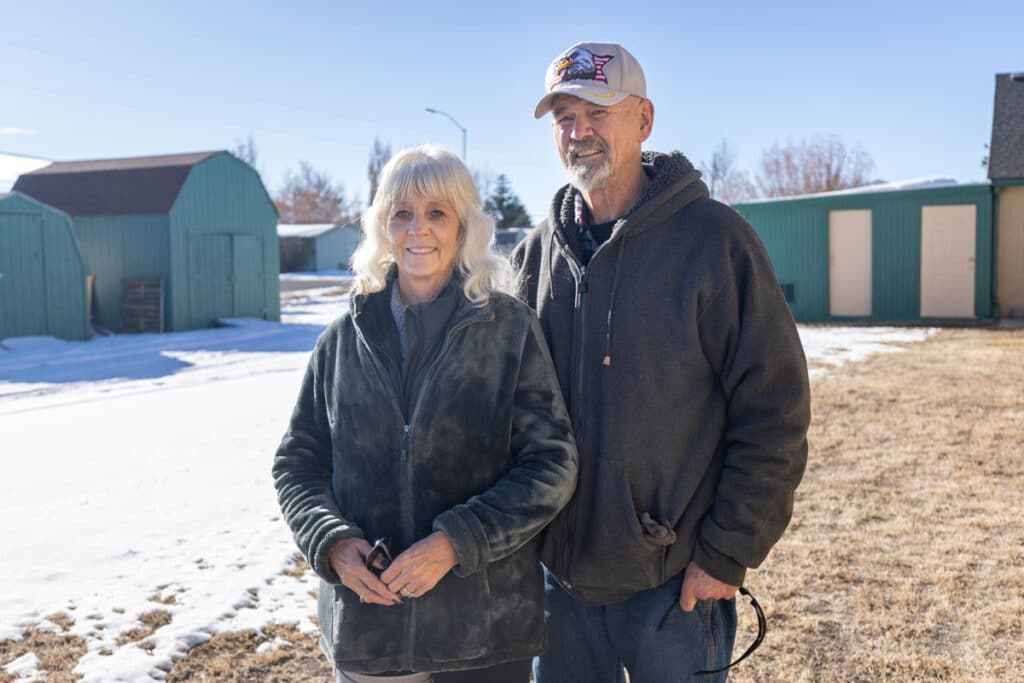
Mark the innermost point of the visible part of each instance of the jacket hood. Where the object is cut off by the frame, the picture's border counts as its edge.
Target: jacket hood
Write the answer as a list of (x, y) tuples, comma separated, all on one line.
[(675, 183)]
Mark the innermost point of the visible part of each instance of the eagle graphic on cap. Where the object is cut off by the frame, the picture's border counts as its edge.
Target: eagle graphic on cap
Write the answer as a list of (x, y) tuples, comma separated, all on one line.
[(579, 64)]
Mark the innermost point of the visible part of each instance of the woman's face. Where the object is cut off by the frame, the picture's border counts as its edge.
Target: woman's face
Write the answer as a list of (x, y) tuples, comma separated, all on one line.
[(424, 237)]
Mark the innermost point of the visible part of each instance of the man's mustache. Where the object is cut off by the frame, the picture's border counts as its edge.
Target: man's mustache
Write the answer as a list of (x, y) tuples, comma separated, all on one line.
[(586, 146)]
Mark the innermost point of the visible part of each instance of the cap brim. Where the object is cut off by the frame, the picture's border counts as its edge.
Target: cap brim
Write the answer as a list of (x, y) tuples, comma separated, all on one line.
[(584, 91)]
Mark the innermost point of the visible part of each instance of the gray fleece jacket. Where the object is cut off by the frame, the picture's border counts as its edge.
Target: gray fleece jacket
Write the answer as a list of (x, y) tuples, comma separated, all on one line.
[(687, 385), (486, 454)]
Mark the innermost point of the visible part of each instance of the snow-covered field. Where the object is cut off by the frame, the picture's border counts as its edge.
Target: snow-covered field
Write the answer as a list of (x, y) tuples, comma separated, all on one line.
[(136, 476)]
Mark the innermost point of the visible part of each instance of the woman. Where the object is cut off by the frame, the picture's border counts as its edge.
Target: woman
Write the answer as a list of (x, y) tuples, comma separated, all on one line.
[(429, 418)]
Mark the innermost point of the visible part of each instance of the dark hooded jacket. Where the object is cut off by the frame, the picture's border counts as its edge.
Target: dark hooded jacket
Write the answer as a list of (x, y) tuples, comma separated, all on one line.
[(687, 385), (486, 455)]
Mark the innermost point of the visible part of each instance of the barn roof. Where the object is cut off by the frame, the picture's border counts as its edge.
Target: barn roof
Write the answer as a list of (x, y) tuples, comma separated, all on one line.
[(112, 187), (1006, 153)]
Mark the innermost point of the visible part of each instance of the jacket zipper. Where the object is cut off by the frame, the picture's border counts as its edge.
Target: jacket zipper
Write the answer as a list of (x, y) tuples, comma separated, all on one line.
[(409, 523), (409, 464), (578, 412), (579, 357), (406, 456), (405, 461)]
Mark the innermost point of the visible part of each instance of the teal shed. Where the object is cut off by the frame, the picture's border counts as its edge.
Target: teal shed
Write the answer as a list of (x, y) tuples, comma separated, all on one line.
[(201, 226), (42, 272), (911, 252), (318, 247)]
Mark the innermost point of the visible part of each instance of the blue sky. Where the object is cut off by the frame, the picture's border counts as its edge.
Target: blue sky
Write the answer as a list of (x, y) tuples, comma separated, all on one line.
[(911, 82)]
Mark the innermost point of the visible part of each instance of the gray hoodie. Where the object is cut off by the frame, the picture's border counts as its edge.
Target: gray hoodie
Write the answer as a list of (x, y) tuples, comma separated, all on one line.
[(681, 365)]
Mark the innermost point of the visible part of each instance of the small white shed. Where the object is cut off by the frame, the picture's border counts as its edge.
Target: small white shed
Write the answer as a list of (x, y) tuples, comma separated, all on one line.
[(317, 247)]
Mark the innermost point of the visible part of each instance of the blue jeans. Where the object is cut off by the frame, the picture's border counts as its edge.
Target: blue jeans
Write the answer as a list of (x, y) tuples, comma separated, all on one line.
[(595, 644)]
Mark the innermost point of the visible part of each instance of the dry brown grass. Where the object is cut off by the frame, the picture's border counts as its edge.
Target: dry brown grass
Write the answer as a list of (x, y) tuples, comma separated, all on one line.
[(150, 621), (299, 567), (232, 658), (905, 559), (58, 653), (904, 562)]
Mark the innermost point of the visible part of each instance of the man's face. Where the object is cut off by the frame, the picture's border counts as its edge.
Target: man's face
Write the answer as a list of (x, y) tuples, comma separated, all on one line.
[(598, 143)]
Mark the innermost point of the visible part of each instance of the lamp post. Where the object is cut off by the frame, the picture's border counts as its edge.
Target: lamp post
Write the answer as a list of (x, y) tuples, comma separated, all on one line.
[(457, 125)]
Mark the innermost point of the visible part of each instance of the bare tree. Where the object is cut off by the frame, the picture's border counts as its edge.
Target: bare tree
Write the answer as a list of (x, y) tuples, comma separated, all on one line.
[(310, 196), (819, 165), (484, 182), (726, 182), (380, 154), (246, 151)]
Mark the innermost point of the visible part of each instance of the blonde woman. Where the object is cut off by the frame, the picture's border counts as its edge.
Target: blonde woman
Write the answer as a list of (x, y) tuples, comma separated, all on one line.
[(429, 446)]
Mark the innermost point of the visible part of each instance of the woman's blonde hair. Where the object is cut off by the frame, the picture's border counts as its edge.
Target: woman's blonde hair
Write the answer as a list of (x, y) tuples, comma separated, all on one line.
[(432, 172)]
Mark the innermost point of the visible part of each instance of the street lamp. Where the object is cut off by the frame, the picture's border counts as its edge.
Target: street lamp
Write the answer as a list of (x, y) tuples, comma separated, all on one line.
[(457, 125)]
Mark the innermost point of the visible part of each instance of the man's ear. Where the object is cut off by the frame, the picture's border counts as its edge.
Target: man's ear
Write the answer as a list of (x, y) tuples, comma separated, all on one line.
[(646, 119)]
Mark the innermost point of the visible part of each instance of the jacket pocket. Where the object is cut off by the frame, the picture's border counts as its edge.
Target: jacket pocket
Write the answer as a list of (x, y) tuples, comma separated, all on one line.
[(454, 619), (610, 549), (362, 632)]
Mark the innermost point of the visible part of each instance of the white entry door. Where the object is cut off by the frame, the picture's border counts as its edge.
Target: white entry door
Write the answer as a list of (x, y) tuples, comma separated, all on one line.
[(947, 261), (849, 262)]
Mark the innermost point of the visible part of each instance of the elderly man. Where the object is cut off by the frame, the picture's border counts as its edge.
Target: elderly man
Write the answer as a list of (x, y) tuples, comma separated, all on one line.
[(681, 365)]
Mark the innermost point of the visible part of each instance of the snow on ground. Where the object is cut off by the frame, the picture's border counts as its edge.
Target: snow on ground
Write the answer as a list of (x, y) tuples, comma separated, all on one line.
[(834, 346), (136, 477)]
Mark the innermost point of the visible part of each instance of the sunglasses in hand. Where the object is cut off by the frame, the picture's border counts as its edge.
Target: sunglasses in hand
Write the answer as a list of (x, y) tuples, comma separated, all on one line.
[(379, 557), (762, 629)]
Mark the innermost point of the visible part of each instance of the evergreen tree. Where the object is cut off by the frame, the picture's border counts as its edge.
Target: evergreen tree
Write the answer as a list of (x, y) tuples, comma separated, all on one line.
[(505, 207)]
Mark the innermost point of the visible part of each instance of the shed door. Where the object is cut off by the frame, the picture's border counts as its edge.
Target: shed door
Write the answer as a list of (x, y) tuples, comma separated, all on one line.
[(22, 276), (247, 270), (209, 271), (849, 262), (947, 261)]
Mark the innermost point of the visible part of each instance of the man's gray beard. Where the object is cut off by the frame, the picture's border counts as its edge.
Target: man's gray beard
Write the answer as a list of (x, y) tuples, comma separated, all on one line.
[(586, 177)]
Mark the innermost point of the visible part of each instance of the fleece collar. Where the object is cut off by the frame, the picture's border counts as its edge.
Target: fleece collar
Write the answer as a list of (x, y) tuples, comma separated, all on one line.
[(670, 174)]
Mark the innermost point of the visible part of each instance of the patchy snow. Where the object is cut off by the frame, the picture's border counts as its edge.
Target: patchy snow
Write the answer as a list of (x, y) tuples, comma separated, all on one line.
[(136, 477), (342, 276), (25, 667), (835, 346)]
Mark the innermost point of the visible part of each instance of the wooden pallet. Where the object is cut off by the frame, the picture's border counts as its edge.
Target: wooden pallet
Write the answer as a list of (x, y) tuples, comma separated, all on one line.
[(142, 305)]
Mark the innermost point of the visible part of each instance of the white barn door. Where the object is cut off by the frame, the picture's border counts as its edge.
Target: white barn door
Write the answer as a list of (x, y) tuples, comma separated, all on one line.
[(947, 261), (849, 262)]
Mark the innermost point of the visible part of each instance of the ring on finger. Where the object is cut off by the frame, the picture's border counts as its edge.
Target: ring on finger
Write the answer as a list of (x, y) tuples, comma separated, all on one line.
[(406, 593)]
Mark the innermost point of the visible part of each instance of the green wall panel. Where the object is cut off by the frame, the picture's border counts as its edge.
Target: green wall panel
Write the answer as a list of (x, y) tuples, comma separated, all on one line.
[(795, 232), (42, 272), (117, 247), (223, 196)]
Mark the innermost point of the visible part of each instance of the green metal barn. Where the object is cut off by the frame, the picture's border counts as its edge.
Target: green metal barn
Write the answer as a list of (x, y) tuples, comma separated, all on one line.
[(921, 252), (42, 273), (911, 252), (193, 236)]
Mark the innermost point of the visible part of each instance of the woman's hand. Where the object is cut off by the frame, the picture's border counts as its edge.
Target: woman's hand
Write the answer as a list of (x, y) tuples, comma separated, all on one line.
[(348, 560), (417, 570)]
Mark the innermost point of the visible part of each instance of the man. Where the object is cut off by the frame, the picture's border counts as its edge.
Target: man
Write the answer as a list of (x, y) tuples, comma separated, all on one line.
[(681, 365)]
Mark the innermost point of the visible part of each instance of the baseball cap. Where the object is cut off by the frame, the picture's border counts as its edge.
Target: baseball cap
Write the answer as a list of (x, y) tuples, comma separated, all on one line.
[(602, 73)]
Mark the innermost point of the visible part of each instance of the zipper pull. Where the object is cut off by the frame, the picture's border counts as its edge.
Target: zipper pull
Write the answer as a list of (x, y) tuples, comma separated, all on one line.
[(405, 442)]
